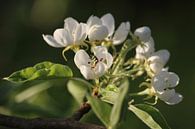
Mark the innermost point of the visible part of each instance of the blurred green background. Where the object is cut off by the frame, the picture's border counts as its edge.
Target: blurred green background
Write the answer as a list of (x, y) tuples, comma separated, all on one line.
[(23, 22)]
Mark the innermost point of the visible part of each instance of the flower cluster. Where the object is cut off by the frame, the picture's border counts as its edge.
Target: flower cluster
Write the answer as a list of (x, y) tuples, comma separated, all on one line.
[(162, 81), (107, 67), (95, 29)]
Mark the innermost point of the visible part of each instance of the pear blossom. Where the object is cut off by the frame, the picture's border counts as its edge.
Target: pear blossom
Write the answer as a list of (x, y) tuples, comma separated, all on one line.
[(163, 84), (92, 68), (158, 60), (144, 50), (103, 29), (120, 34), (73, 33)]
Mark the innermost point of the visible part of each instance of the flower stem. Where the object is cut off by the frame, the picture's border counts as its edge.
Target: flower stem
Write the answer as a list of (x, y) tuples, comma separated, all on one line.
[(128, 45)]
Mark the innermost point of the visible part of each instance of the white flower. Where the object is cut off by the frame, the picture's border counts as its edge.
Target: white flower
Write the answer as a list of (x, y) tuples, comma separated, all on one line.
[(103, 28), (163, 84), (158, 60), (120, 34), (73, 33), (95, 67)]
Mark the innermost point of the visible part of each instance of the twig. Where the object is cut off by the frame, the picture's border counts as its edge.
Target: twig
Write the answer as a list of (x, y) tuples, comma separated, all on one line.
[(85, 108), (50, 123)]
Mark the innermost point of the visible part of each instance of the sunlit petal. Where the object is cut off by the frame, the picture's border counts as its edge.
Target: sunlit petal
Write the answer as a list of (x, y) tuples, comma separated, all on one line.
[(100, 69), (52, 42), (93, 20), (59, 35), (97, 32), (121, 33), (78, 33), (108, 21), (81, 58), (70, 24), (87, 72)]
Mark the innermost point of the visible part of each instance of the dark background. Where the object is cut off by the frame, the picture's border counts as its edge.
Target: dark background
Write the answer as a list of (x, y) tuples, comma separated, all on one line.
[(23, 22)]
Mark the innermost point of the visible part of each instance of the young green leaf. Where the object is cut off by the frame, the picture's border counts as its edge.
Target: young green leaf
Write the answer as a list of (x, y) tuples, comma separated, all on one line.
[(101, 109), (155, 113), (109, 94), (78, 88), (41, 71), (145, 117), (117, 108)]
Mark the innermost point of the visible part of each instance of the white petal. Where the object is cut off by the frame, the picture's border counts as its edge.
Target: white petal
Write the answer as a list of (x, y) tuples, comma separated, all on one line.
[(171, 97), (59, 35), (161, 81), (97, 32), (156, 67), (52, 42), (93, 20), (121, 33), (146, 49), (70, 24), (68, 38), (144, 33), (158, 83), (99, 51), (81, 58), (163, 55), (100, 69), (87, 72), (164, 80), (166, 95), (84, 31), (109, 60), (78, 34), (158, 60), (177, 98), (108, 21), (173, 79), (62, 36)]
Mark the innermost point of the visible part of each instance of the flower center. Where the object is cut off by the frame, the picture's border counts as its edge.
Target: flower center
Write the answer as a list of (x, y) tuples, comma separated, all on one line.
[(95, 61)]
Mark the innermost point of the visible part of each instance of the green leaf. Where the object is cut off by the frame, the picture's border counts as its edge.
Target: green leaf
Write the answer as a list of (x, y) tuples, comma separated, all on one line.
[(109, 94), (156, 115), (78, 88), (119, 102), (146, 114), (41, 71), (101, 109)]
